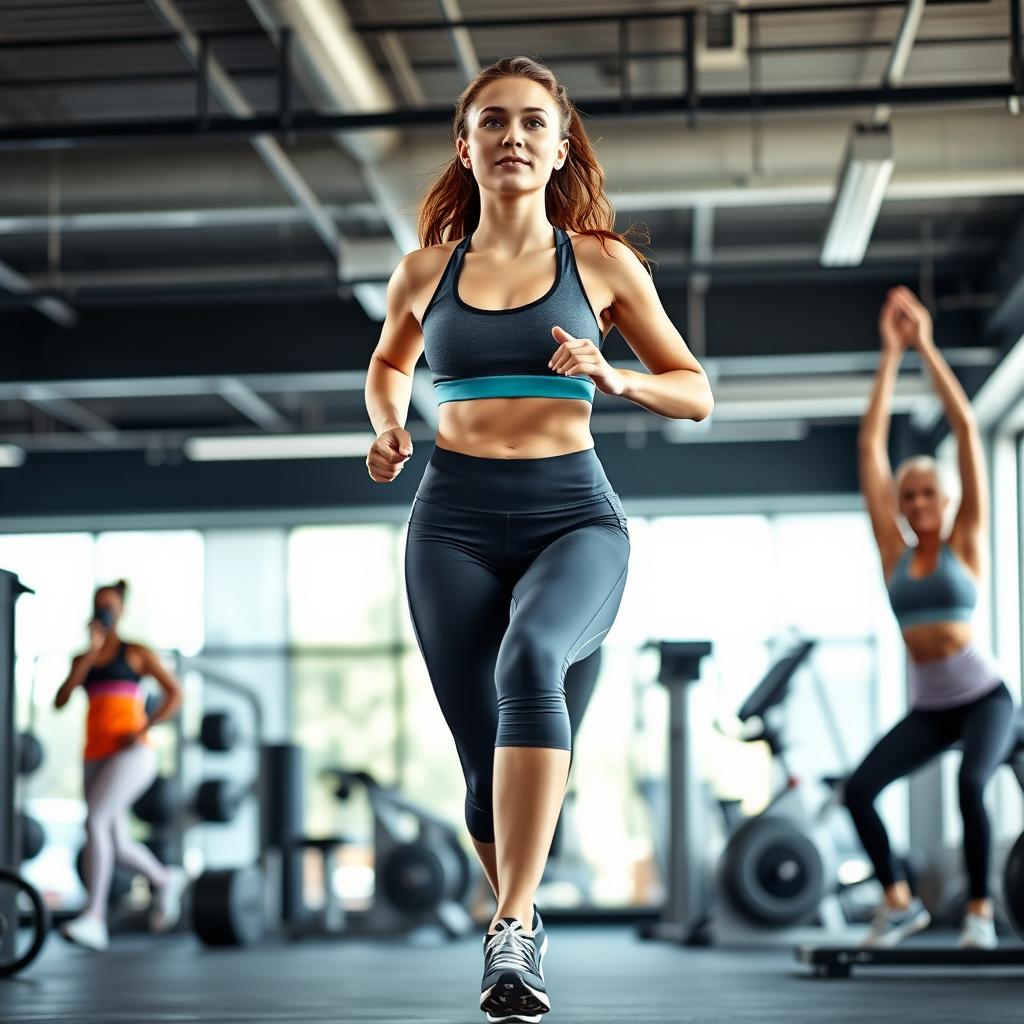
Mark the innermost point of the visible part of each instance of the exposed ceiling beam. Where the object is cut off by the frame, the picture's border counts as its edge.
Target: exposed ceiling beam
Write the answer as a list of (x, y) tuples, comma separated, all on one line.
[(138, 131), (49, 400), (673, 264), (814, 364), (402, 69), (178, 220), (899, 56), (811, 192), (701, 254), (243, 398), (55, 308), (234, 102), (462, 42), (336, 71)]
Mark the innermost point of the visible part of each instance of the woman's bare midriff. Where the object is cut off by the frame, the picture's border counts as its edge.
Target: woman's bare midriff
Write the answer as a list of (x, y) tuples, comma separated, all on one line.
[(515, 428), (933, 640)]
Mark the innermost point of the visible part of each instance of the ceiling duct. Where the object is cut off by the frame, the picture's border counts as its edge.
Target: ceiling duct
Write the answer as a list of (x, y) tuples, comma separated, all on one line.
[(722, 34)]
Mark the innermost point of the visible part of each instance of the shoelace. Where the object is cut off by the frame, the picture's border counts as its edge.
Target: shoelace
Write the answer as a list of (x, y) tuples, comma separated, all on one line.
[(507, 948)]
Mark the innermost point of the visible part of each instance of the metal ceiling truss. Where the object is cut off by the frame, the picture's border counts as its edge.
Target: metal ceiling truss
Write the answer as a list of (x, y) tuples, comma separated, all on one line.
[(286, 123)]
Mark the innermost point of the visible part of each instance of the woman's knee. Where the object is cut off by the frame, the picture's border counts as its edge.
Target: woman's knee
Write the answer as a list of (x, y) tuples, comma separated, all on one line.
[(479, 820), (859, 792), (528, 662), (531, 697), (99, 825), (971, 786)]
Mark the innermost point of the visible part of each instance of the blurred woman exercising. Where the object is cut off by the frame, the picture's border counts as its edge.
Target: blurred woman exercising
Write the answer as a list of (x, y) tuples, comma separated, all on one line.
[(956, 690), (120, 765)]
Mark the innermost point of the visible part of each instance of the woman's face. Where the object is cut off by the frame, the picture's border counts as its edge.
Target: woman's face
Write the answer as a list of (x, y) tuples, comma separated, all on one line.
[(107, 606), (513, 139), (922, 502)]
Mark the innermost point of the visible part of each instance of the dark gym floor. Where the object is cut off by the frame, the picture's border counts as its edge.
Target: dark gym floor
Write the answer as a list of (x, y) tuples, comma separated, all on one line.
[(596, 976)]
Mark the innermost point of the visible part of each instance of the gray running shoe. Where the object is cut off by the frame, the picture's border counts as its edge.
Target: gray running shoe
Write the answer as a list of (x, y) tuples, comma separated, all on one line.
[(891, 926), (513, 987)]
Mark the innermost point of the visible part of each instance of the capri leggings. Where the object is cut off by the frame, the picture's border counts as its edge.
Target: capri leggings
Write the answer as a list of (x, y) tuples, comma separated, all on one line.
[(112, 785), (984, 727), (514, 571)]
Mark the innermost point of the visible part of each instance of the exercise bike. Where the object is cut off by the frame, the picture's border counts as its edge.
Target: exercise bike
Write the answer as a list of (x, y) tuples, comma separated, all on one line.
[(781, 868), (776, 879), (423, 876)]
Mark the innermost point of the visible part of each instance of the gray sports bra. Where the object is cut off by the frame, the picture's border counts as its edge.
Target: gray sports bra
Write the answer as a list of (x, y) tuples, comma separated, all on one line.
[(504, 353), (947, 594)]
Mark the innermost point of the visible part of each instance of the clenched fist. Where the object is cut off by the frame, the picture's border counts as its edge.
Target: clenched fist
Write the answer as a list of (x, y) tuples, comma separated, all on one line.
[(388, 454)]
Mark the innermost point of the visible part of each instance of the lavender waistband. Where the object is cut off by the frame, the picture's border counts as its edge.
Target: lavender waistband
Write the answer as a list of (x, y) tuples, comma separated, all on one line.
[(948, 682)]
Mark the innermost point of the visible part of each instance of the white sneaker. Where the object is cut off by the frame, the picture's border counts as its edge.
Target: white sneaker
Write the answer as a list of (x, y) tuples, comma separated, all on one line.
[(890, 926), (88, 931), (166, 910), (978, 932)]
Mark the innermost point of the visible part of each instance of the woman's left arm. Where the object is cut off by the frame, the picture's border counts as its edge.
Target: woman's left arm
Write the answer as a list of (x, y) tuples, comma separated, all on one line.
[(172, 690), (971, 521), (677, 386)]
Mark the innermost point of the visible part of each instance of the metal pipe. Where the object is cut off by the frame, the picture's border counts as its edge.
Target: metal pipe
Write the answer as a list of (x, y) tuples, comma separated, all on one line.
[(231, 98), (624, 69), (203, 84), (284, 79), (1016, 47), (427, 25), (690, 29), (424, 25), (576, 57), (36, 137), (899, 57)]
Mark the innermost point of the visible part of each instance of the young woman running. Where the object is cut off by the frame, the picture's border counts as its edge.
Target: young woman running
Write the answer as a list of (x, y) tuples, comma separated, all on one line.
[(517, 544)]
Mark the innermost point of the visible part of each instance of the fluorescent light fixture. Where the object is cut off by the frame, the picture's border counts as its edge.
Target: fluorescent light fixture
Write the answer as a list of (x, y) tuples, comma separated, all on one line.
[(867, 167), (707, 432), (11, 456), (287, 446)]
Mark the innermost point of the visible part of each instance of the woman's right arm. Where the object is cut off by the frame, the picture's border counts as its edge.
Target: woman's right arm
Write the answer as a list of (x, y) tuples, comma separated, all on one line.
[(389, 379), (79, 670), (876, 480), (81, 664)]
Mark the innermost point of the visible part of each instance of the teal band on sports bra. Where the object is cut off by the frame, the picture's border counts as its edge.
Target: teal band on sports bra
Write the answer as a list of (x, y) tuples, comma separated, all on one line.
[(925, 615), (514, 386)]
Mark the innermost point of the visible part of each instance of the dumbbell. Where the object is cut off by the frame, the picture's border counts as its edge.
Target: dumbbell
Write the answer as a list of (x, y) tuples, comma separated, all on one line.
[(219, 732), (29, 753), (216, 800), (30, 836)]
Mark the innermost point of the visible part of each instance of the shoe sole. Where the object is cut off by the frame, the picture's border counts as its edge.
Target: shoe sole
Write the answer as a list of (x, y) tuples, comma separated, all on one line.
[(897, 935), (512, 999), (82, 945)]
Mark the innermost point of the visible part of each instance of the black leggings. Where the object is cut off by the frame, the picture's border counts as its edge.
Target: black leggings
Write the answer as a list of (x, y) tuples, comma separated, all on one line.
[(984, 728), (514, 571)]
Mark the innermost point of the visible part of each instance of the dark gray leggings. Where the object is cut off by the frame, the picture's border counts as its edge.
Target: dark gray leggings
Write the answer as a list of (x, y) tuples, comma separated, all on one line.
[(985, 728), (514, 571)]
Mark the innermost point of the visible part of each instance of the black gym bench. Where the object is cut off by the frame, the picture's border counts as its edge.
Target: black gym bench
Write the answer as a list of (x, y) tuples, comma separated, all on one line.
[(839, 961)]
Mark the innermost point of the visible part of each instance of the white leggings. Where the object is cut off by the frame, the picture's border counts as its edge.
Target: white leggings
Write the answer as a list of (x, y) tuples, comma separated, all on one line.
[(112, 785)]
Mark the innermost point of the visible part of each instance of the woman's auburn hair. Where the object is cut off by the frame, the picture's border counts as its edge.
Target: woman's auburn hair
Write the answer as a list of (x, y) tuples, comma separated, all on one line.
[(575, 199)]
